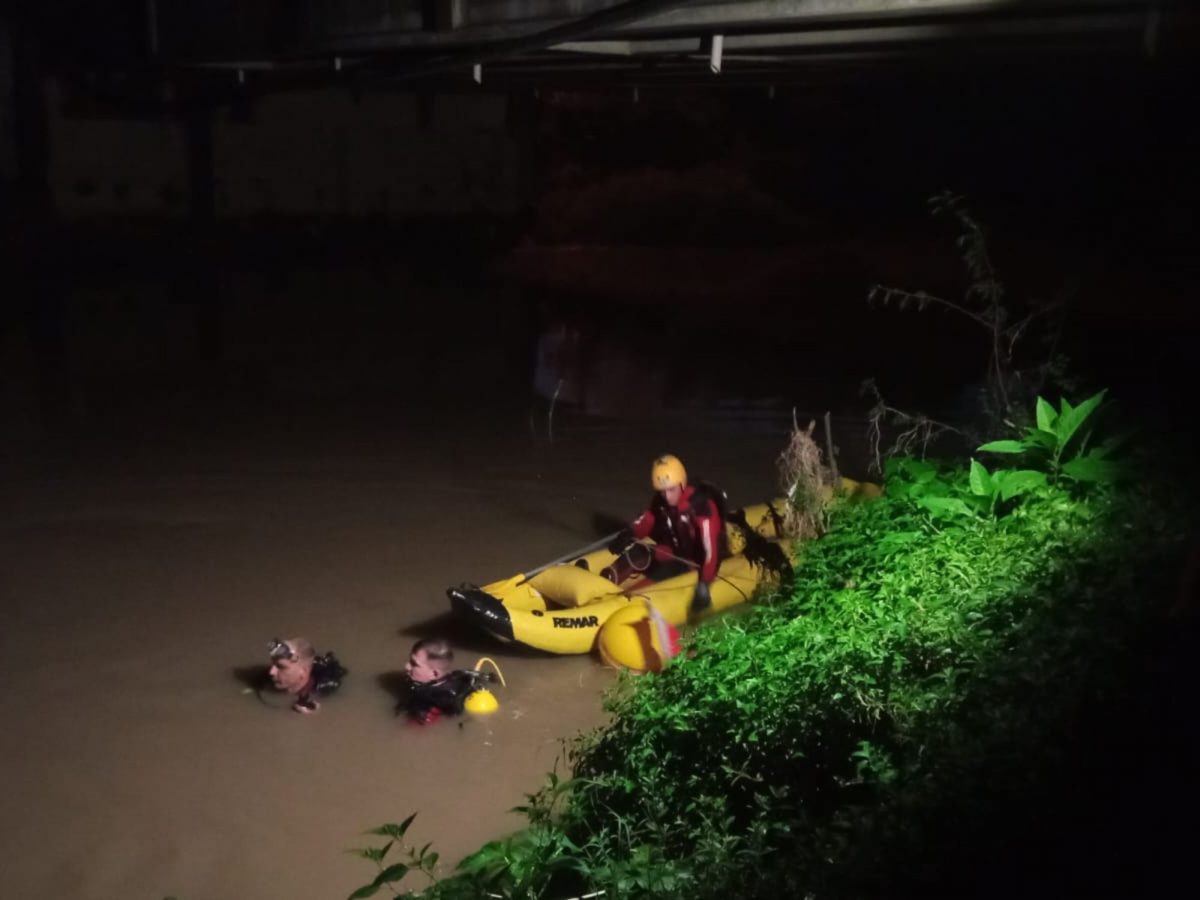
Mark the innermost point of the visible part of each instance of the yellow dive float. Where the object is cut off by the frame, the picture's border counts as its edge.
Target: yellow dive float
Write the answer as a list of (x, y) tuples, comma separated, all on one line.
[(564, 608), (481, 701)]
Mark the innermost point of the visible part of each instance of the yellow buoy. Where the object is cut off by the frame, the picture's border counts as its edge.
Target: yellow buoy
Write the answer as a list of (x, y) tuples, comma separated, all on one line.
[(482, 702), (631, 640)]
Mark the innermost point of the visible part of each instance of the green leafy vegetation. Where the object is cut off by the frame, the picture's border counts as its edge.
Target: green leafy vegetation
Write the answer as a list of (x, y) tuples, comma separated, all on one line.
[(1058, 432), (919, 712), (391, 873)]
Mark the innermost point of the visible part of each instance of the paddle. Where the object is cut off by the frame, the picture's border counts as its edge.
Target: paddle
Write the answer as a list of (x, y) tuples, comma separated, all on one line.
[(595, 545)]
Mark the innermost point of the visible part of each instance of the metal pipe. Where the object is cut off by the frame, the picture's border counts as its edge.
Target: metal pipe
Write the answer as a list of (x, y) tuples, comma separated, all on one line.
[(714, 57), (622, 13)]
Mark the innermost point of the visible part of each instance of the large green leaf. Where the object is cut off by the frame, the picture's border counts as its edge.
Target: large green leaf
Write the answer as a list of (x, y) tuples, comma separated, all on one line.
[(1074, 417), (1040, 438), (395, 832), (981, 481), (1002, 447), (1045, 415), (1090, 468), (390, 875), (374, 854), (1014, 482), (920, 490), (919, 470), (945, 506), (935, 488), (491, 857), (980, 505)]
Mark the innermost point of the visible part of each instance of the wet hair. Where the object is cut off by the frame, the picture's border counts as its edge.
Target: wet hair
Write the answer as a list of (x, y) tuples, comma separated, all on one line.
[(437, 649), (303, 648)]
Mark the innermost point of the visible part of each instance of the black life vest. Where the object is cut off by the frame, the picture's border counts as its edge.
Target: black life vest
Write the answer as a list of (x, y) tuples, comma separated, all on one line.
[(325, 678), (327, 673), (674, 526), (446, 694), (758, 550)]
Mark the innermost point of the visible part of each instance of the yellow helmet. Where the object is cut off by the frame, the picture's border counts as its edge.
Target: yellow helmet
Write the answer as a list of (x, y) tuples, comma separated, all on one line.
[(666, 472)]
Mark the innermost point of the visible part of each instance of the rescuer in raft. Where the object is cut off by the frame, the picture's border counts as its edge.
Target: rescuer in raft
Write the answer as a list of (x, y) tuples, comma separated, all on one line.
[(686, 524)]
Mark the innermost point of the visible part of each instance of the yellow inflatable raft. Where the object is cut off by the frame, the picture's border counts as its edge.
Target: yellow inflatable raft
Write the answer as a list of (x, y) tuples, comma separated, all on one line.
[(564, 608)]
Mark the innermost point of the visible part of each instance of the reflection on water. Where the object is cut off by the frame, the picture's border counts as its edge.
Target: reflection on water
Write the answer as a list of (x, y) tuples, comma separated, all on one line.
[(139, 590)]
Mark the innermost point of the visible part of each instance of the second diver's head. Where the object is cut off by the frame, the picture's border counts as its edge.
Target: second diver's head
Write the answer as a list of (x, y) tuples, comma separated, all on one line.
[(669, 478), (430, 659), (291, 664)]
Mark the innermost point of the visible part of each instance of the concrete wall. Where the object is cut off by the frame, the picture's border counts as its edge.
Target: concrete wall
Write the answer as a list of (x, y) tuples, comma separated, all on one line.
[(314, 153), (105, 167)]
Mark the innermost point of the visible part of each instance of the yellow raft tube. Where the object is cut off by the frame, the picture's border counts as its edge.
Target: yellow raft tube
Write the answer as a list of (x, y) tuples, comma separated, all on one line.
[(564, 608)]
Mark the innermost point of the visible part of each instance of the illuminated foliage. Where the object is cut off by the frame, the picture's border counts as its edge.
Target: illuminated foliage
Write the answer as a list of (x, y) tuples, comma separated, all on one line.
[(926, 686)]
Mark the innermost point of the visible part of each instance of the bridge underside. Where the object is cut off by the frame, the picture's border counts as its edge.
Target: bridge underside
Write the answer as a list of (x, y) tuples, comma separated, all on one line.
[(277, 44)]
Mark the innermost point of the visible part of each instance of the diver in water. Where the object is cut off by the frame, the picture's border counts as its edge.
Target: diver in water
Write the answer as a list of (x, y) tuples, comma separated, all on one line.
[(297, 670), (435, 686)]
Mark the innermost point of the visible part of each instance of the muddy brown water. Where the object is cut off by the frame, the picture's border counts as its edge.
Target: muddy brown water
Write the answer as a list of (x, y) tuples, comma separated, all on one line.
[(138, 576)]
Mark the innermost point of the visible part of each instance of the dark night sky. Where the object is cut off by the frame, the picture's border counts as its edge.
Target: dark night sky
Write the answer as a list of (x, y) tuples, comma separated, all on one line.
[(1082, 168)]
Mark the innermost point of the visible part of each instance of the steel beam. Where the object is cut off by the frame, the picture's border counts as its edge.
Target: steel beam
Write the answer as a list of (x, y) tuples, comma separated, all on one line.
[(683, 19), (443, 15)]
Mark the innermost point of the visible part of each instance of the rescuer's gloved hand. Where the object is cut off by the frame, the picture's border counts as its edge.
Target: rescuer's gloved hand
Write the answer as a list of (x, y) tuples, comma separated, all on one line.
[(701, 598), (623, 539)]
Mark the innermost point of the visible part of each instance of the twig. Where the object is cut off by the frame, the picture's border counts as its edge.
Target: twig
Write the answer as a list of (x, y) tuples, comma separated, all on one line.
[(984, 303), (833, 467), (922, 299), (920, 428)]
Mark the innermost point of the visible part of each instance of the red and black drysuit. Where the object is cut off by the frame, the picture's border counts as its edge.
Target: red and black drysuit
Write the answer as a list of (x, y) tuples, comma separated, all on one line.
[(686, 536), (427, 701)]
